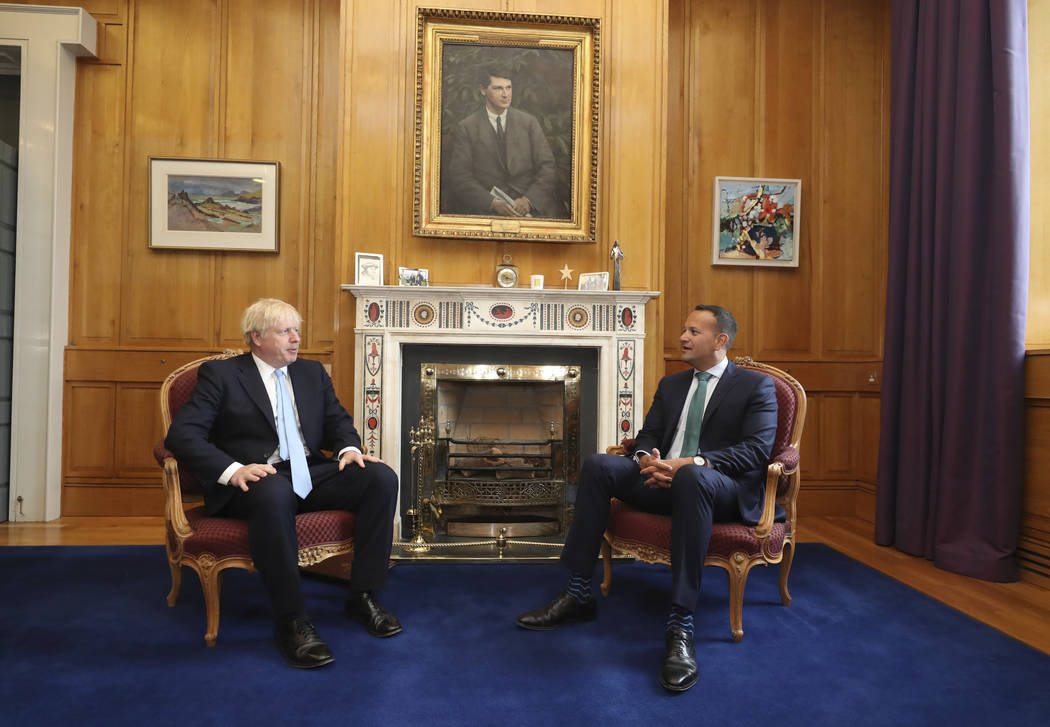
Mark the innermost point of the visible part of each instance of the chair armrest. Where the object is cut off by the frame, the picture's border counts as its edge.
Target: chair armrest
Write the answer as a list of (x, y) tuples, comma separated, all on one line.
[(174, 512), (624, 448), (161, 453)]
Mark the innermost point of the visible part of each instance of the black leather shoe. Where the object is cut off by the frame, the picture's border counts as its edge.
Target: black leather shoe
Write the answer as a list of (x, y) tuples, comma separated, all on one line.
[(363, 608), (562, 610), (680, 671), (300, 644)]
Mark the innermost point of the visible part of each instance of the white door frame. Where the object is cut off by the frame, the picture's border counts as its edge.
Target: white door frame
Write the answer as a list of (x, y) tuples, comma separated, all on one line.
[(51, 38)]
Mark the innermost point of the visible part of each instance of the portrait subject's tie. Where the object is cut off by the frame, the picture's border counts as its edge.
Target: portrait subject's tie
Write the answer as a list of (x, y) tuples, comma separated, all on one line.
[(501, 137), (695, 417), (291, 444)]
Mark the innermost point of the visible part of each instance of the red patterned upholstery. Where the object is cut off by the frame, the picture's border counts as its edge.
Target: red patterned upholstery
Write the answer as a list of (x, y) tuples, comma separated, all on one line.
[(736, 547), (208, 544)]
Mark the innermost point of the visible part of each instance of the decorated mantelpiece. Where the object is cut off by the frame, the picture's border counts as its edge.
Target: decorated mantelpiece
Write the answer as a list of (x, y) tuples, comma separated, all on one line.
[(391, 318)]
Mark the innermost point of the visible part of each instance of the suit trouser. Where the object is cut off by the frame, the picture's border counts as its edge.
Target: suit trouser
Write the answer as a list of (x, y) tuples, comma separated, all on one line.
[(697, 497), (270, 507)]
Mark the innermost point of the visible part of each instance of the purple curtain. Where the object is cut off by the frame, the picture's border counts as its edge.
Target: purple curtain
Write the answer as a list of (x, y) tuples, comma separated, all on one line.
[(952, 436)]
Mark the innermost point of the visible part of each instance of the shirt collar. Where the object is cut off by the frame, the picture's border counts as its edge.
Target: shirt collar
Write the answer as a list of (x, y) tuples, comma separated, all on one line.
[(719, 368), (265, 369)]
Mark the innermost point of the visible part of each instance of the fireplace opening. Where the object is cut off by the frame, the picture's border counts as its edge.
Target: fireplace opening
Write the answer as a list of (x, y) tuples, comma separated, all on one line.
[(503, 444)]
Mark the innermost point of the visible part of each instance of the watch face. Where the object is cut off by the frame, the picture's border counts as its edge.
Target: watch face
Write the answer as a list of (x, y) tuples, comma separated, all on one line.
[(507, 278)]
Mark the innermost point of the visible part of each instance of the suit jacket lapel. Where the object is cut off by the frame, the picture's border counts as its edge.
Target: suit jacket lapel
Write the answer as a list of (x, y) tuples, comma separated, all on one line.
[(725, 384), (253, 385)]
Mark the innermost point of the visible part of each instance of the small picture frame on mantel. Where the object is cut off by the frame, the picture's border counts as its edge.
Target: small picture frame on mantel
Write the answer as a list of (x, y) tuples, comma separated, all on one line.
[(594, 281), (369, 268)]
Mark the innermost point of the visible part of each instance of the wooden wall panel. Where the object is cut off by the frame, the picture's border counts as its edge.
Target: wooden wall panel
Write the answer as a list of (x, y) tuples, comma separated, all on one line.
[(1038, 323), (90, 412), (137, 429), (173, 98), (1034, 547)]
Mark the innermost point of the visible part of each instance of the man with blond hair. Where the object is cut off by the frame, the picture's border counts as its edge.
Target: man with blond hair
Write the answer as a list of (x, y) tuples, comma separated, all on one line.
[(254, 432)]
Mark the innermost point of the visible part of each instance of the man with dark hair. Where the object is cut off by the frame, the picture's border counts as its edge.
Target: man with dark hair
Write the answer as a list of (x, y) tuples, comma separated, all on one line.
[(501, 162), (700, 457), (254, 432)]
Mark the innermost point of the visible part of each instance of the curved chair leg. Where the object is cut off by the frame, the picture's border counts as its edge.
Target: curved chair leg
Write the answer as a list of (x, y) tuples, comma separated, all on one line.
[(606, 567), (211, 585), (785, 570), (176, 582), (737, 572)]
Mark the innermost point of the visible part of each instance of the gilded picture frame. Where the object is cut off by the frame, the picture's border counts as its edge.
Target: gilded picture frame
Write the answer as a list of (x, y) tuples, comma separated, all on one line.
[(543, 76), (224, 205)]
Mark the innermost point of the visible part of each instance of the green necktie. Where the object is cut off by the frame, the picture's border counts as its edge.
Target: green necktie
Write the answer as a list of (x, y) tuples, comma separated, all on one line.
[(695, 417)]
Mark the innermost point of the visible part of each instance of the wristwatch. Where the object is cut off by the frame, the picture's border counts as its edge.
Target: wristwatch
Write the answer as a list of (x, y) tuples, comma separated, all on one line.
[(699, 461)]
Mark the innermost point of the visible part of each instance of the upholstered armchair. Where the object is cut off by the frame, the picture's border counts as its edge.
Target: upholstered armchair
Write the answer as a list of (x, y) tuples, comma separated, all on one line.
[(210, 545), (736, 547)]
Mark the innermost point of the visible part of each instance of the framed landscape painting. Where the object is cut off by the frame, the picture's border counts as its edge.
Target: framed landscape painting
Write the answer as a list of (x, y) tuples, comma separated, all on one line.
[(756, 222), (213, 204)]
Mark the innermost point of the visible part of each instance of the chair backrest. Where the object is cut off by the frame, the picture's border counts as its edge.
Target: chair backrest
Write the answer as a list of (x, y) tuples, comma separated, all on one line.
[(176, 391), (791, 407)]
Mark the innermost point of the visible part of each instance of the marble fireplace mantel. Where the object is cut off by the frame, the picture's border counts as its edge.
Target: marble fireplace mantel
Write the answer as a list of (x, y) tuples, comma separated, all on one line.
[(389, 317)]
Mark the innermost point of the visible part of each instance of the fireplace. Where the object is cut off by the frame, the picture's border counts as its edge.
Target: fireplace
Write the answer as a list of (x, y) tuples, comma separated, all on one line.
[(509, 478), (506, 447), (508, 428)]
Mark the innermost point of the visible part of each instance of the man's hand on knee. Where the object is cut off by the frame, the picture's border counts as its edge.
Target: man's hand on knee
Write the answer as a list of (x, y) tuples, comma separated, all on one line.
[(250, 473), (354, 457)]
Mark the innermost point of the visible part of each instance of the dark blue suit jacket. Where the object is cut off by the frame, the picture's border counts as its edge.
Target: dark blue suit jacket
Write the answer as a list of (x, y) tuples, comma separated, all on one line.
[(229, 419), (740, 423)]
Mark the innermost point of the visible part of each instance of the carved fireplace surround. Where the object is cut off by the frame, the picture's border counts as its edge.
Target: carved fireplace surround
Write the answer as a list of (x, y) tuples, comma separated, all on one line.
[(390, 318)]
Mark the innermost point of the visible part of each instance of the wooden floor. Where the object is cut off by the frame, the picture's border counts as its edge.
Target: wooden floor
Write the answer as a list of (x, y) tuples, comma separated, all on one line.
[(1021, 609)]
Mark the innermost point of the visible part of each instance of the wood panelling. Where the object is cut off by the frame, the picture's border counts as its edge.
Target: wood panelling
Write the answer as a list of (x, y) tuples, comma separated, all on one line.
[(1034, 547), (795, 89)]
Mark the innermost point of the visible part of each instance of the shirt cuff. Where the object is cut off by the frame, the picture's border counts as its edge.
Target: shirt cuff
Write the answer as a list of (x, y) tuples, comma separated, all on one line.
[(344, 450), (224, 478)]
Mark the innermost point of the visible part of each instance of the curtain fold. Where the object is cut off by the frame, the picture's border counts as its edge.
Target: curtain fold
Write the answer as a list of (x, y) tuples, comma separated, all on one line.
[(952, 430)]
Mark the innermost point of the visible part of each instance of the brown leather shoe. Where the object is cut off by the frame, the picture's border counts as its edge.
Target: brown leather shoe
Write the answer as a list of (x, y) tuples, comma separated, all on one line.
[(363, 608), (562, 610), (680, 671), (300, 644)]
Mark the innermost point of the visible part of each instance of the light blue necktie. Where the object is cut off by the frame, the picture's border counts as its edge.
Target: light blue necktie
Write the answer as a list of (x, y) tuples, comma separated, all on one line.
[(695, 417), (291, 444)]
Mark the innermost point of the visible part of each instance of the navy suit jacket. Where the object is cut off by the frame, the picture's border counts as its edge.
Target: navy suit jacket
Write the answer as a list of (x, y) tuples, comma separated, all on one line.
[(740, 423), (229, 419), (475, 165)]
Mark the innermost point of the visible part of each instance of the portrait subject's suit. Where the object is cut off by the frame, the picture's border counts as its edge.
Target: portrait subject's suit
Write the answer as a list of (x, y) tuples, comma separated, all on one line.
[(476, 165), (229, 418), (739, 425)]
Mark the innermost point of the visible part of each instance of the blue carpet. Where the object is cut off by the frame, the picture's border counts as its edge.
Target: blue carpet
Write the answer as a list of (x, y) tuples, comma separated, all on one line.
[(88, 639)]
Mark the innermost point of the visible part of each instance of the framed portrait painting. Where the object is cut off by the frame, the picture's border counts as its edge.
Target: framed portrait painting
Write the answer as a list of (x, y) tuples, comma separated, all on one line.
[(506, 126), (213, 204), (756, 222)]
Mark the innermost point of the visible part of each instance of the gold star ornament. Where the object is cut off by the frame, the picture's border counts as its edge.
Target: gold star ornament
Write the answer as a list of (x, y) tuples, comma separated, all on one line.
[(566, 273)]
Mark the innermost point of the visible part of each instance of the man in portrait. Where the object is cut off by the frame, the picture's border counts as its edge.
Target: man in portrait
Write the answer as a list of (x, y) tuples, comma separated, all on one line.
[(501, 162)]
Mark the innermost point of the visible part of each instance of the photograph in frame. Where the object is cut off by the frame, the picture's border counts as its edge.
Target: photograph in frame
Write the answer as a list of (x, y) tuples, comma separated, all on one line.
[(213, 204), (593, 281), (368, 267), (506, 126), (416, 277), (756, 222)]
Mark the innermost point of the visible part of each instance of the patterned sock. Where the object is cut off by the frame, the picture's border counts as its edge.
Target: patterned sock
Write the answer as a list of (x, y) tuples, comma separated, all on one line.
[(680, 619), (580, 588)]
